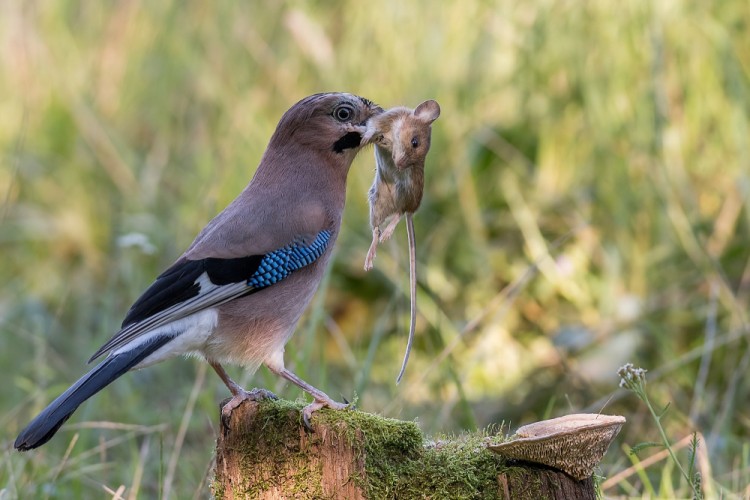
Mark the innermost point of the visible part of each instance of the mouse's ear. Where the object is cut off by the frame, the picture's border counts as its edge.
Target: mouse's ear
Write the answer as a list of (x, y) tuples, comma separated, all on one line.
[(428, 111)]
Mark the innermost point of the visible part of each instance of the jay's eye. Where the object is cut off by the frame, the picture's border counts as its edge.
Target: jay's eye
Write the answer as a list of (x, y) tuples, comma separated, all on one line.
[(343, 113), (414, 142)]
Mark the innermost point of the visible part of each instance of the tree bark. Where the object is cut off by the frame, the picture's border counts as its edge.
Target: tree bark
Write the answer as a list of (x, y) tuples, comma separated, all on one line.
[(263, 451)]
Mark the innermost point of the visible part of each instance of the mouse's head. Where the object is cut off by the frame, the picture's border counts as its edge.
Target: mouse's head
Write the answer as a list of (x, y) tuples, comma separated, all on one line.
[(404, 133), (411, 140)]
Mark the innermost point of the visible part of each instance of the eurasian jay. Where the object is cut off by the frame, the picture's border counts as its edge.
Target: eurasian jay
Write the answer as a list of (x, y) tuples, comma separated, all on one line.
[(237, 293)]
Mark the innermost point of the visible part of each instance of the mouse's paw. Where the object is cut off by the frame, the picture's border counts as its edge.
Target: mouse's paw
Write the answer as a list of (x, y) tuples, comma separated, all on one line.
[(373, 248), (351, 127), (386, 234), (368, 261), (370, 136)]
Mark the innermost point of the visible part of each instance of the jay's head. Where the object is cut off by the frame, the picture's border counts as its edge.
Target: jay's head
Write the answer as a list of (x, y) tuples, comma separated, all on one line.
[(322, 123)]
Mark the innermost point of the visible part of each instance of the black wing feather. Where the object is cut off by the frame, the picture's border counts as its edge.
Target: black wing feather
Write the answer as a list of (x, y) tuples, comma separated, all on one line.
[(178, 283), (227, 271), (173, 286)]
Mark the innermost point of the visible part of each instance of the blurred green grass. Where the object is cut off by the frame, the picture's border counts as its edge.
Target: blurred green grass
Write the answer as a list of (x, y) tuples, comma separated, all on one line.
[(605, 143)]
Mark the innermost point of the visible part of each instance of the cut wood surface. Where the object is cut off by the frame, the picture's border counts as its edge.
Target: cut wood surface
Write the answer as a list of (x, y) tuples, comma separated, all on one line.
[(264, 451)]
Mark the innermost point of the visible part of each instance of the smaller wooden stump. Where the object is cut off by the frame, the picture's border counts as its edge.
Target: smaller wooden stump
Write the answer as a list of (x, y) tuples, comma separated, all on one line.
[(265, 452)]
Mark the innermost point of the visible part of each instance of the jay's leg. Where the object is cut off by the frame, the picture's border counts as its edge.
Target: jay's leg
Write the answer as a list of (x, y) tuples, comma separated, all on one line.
[(238, 393), (321, 399)]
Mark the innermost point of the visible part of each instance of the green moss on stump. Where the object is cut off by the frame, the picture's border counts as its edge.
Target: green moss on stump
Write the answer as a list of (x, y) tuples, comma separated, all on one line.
[(399, 464)]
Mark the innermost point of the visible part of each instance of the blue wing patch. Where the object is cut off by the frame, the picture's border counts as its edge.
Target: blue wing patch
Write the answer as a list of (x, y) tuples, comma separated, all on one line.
[(278, 264)]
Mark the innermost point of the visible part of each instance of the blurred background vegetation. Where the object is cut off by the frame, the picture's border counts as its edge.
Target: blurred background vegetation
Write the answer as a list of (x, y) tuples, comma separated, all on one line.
[(586, 206)]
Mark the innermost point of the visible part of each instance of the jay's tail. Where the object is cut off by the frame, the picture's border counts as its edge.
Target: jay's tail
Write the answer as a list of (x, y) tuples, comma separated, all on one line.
[(46, 424)]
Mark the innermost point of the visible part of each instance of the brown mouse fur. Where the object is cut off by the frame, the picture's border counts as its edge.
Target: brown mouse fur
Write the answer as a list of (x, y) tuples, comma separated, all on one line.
[(402, 140)]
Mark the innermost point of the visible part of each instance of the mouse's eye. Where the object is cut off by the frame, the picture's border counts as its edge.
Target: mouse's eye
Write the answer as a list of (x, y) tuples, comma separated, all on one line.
[(343, 112), (414, 142)]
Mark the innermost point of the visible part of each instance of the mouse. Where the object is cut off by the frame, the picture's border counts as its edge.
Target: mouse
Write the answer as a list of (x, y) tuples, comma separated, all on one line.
[(402, 138)]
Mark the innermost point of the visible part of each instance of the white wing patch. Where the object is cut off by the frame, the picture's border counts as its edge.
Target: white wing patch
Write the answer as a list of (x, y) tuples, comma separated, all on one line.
[(190, 335)]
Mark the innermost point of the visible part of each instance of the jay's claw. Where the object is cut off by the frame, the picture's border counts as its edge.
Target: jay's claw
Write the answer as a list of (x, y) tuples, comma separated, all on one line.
[(240, 397), (316, 405)]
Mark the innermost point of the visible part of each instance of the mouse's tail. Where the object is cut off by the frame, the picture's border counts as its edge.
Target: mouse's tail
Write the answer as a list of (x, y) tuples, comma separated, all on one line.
[(412, 291)]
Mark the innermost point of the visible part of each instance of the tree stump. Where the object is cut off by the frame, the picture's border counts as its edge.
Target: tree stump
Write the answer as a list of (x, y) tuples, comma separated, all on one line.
[(264, 451)]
